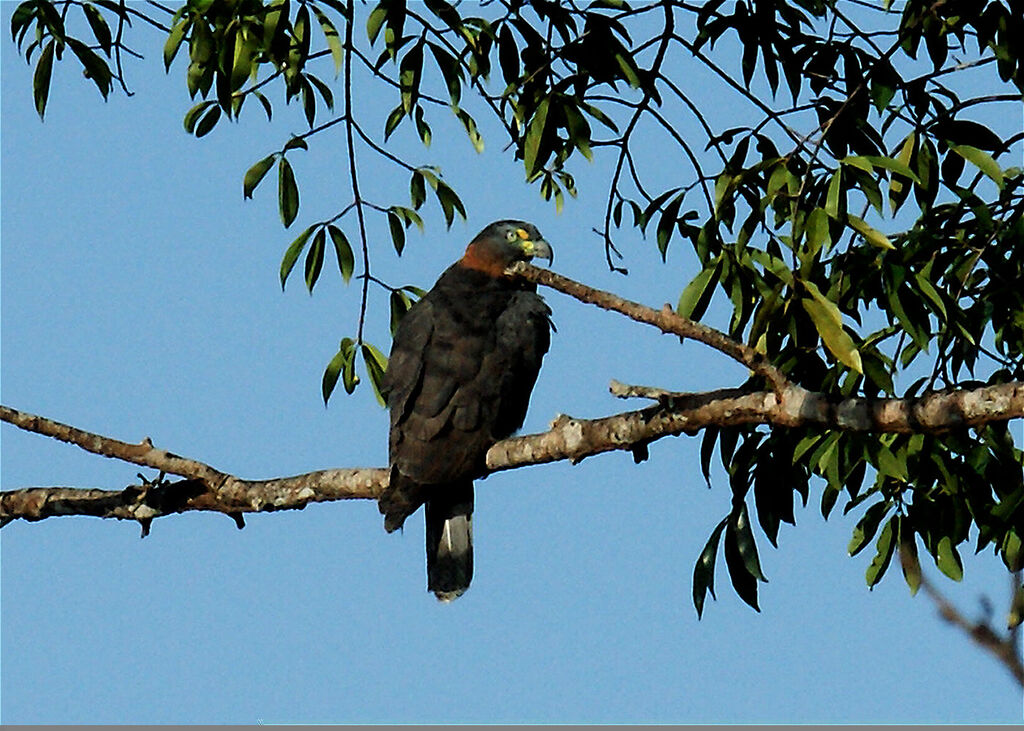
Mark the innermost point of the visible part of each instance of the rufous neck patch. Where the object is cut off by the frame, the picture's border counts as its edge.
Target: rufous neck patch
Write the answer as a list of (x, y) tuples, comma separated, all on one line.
[(481, 257)]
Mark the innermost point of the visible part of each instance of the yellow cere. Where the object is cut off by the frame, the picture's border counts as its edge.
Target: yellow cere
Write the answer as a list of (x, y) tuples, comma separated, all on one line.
[(522, 234)]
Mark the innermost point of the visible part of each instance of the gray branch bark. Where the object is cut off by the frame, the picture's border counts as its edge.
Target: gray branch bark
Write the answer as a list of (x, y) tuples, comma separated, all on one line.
[(206, 488)]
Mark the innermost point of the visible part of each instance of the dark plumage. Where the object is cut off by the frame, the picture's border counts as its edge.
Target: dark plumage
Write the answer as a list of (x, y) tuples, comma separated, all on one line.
[(463, 363)]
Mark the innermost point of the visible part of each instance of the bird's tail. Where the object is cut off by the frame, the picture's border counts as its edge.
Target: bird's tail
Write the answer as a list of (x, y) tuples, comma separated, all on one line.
[(449, 515)]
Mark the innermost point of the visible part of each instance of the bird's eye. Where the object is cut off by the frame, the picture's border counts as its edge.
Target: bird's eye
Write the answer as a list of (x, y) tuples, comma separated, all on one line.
[(511, 235)]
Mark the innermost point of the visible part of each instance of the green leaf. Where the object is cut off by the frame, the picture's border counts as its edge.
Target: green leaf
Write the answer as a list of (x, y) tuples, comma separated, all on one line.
[(534, 137), (894, 165), (1010, 551), (947, 558), (695, 298), (981, 160), (892, 465), (450, 203), (292, 254), (884, 546), (909, 562), (343, 252), (266, 104), (872, 235), (333, 39), (451, 71), (192, 116), (95, 67), (295, 143), (409, 75), (898, 188), (816, 229), (858, 161), (828, 321), (287, 192), (928, 290), (707, 450), (600, 116), (743, 581), (376, 21), (835, 189), (209, 120), (376, 365), (255, 174), (98, 24), (242, 67), (397, 232), (331, 373), (883, 83), (474, 134), (393, 120), (41, 78), (417, 189), (746, 544), (866, 527), (508, 54), (399, 305), (21, 19), (704, 570), (773, 264), (315, 259), (173, 44), (349, 377), (629, 70), (408, 216), (667, 223), (422, 128)]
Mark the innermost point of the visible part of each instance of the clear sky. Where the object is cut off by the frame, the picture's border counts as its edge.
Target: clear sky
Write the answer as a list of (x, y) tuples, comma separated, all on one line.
[(140, 297)]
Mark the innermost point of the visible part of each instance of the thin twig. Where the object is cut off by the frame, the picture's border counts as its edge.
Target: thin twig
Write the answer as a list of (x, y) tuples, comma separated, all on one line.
[(349, 119), (1003, 648)]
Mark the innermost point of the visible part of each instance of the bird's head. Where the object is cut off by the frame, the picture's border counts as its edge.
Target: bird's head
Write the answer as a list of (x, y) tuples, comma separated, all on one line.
[(502, 243)]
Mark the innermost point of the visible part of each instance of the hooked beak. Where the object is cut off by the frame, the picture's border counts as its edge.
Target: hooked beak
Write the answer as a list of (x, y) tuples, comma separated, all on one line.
[(539, 249)]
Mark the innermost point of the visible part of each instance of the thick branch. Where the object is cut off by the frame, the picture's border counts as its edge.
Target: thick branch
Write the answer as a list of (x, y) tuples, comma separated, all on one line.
[(573, 439)]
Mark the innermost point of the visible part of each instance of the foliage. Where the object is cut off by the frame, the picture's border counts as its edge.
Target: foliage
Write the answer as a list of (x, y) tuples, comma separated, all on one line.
[(860, 217)]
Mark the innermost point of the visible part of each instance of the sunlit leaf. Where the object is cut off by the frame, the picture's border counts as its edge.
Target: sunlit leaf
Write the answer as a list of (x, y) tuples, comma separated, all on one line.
[(828, 322), (872, 235), (376, 364), (947, 558), (981, 160)]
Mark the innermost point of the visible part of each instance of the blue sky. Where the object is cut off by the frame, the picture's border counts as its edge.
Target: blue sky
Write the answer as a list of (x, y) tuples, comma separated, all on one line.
[(140, 297)]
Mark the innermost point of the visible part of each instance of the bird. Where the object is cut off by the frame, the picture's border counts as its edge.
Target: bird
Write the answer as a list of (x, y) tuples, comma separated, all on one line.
[(464, 360)]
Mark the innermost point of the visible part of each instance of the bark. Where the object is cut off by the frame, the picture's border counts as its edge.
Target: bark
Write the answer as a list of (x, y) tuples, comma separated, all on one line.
[(205, 488)]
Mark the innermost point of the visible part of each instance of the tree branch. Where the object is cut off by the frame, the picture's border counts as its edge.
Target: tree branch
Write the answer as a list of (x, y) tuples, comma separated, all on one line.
[(206, 488), (1004, 648), (665, 320)]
